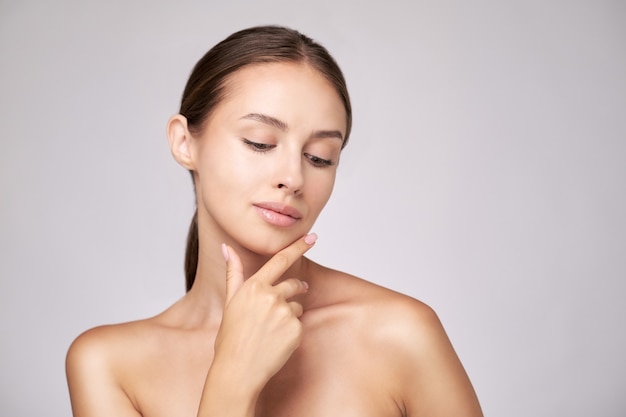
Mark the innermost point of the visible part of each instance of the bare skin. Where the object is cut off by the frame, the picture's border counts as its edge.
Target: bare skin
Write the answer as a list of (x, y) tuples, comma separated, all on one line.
[(364, 351), (264, 331)]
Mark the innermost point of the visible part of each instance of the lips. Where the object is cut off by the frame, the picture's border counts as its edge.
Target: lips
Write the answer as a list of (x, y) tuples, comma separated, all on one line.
[(278, 214), (281, 209)]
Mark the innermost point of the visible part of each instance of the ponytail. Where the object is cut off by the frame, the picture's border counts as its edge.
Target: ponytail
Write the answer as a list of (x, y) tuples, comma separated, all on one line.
[(191, 253)]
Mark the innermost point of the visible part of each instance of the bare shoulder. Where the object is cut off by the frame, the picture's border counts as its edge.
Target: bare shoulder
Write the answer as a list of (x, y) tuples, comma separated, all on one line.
[(382, 306), (116, 351), (405, 335), (101, 345), (136, 368), (97, 368)]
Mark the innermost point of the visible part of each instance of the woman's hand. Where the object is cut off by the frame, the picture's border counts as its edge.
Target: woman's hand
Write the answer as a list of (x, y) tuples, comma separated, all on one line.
[(260, 327)]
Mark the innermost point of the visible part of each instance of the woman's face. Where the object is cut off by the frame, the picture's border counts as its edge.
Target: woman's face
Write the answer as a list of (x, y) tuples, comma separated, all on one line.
[(266, 161)]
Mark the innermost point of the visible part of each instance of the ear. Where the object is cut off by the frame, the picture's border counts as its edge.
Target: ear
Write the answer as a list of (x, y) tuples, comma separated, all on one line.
[(180, 140)]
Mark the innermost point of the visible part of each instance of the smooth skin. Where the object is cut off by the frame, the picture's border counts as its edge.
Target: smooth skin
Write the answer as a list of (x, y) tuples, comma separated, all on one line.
[(265, 331)]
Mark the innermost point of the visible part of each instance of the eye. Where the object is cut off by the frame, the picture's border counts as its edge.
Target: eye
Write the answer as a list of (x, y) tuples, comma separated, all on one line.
[(258, 147), (318, 162)]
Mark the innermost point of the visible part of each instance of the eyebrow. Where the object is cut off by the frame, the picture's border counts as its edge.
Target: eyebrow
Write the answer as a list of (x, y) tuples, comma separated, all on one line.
[(268, 120), (274, 122)]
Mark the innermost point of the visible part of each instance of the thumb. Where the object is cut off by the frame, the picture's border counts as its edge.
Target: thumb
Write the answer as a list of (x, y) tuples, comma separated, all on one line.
[(234, 271)]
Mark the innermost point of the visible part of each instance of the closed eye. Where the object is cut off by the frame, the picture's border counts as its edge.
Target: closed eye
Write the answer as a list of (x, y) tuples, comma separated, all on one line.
[(258, 147), (318, 162)]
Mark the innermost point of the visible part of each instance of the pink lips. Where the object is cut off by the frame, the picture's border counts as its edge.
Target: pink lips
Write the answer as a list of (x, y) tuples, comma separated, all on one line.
[(278, 214)]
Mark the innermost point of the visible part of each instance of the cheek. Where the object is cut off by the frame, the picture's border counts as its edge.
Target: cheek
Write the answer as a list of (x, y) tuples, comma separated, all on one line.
[(321, 190), (226, 162), (222, 175)]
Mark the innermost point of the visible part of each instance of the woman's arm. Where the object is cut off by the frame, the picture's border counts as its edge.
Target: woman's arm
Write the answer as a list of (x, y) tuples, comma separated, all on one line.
[(436, 383), (94, 389)]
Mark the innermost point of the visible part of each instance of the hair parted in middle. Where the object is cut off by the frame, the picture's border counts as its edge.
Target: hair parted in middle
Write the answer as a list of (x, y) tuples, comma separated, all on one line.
[(207, 83)]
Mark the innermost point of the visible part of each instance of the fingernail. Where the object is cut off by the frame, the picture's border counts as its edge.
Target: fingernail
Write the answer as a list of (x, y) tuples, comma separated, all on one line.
[(306, 284), (310, 238), (225, 252)]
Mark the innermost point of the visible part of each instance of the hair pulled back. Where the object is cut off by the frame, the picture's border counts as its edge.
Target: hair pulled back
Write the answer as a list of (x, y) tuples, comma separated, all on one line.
[(206, 87)]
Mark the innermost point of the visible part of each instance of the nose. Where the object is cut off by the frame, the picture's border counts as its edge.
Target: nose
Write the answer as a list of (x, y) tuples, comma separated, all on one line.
[(289, 176)]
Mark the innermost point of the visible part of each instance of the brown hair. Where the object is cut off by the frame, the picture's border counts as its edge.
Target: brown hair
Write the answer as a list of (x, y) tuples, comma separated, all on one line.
[(205, 87)]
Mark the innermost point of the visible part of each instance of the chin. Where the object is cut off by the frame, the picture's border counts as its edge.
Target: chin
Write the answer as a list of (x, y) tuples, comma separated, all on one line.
[(268, 244)]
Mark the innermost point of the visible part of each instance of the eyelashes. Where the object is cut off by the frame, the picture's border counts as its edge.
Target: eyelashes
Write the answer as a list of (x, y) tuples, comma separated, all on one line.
[(258, 147), (316, 161)]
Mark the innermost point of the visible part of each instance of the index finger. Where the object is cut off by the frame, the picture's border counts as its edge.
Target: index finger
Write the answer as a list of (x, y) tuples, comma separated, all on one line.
[(280, 263)]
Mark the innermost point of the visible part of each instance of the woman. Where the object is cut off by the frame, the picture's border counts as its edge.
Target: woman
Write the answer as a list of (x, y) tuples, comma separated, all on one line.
[(262, 330)]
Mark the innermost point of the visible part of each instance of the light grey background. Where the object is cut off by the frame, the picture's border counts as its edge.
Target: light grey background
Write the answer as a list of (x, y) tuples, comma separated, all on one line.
[(485, 176)]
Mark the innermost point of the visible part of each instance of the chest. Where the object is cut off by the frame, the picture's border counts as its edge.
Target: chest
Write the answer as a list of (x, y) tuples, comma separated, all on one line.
[(329, 379), (329, 374)]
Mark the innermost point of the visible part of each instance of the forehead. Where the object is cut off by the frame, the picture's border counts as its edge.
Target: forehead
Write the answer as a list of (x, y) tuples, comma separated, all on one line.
[(259, 73), (283, 90)]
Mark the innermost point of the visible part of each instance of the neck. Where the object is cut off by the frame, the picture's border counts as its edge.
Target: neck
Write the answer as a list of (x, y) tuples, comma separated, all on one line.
[(209, 287)]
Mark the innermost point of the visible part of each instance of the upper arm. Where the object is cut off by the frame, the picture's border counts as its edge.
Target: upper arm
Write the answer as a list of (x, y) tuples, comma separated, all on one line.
[(90, 369), (436, 383)]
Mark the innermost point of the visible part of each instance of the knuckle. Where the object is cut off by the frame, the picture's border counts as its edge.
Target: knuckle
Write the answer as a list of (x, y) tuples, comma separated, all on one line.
[(254, 285), (290, 285), (297, 309), (271, 298), (295, 285), (284, 310)]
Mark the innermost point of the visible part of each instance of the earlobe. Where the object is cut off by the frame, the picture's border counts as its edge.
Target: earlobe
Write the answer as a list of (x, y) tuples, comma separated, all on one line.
[(179, 139)]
